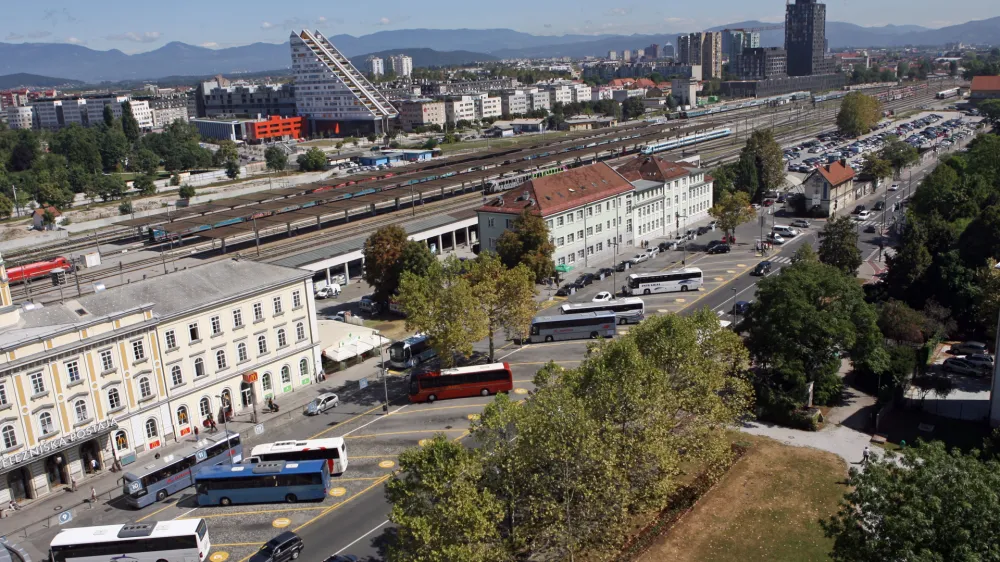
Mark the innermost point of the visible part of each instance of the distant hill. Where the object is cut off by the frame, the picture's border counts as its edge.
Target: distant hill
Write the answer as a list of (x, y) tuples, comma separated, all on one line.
[(23, 80), (424, 57)]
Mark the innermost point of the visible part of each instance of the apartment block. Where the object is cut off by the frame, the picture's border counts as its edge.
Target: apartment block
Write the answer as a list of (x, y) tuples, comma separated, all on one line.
[(245, 100), (419, 113), (167, 110), (459, 108), (20, 117), (711, 55), (487, 106), (376, 66), (402, 65), (514, 103), (559, 94)]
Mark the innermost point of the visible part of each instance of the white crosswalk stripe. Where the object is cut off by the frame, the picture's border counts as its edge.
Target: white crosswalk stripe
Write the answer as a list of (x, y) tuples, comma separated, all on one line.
[(780, 259)]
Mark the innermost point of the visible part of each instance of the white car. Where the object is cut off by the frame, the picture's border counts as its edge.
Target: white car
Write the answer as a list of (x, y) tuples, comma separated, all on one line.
[(863, 216), (328, 292), (639, 258), (894, 187), (321, 403), (775, 238), (603, 296)]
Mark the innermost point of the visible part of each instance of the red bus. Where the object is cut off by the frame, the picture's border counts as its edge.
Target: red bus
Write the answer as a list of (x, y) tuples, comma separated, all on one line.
[(481, 380), (38, 269)]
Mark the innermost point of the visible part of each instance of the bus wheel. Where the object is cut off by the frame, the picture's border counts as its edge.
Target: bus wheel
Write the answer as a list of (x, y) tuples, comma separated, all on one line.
[(290, 498), (161, 495), (684, 288), (432, 398), (225, 501), (646, 292), (594, 335), (548, 338), (484, 392), (622, 321)]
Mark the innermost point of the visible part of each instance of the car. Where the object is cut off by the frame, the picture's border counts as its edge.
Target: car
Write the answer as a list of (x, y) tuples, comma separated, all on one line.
[(863, 215), (801, 223), (714, 243), (328, 292), (568, 289), (719, 249), (870, 229), (603, 296), (672, 245), (969, 348), (741, 307), (368, 304), (982, 360), (879, 205), (585, 279), (321, 403), (761, 269), (622, 266), (653, 251), (604, 272), (858, 209), (703, 230), (340, 316), (284, 547), (342, 558), (775, 238), (960, 367), (639, 258)]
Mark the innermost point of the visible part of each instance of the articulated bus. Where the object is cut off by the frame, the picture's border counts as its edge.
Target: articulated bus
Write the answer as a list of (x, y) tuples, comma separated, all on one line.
[(629, 310), (183, 540), (332, 450), (175, 471), (461, 382), (262, 482), (410, 352), (689, 279), (592, 325)]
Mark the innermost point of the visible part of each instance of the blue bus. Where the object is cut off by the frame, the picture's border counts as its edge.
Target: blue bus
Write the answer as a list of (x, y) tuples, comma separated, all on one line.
[(173, 471), (263, 482)]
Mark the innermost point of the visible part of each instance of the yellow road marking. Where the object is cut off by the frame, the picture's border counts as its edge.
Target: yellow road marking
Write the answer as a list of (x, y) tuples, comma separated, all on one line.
[(436, 409), (372, 456), (154, 513), (680, 300), (721, 278), (286, 510), (386, 464), (345, 422), (281, 522), (716, 288), (462, 436), (520, 391), (336, 506), (423, 442), (239, 544), (730, 271), (219, 556), (359, 479), (556, 361), (741, 265), (337, 492), (663, 311), (367, 435), (472, 417)]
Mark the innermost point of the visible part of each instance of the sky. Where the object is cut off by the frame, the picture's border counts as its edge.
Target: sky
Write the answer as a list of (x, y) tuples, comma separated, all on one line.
[(133, 27)]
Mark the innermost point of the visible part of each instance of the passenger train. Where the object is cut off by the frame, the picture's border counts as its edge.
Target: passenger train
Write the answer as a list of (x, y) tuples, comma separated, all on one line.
[(686, 141)]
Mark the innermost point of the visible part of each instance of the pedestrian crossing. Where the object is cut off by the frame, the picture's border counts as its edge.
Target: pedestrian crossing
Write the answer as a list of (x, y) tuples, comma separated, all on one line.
[(780, 259)]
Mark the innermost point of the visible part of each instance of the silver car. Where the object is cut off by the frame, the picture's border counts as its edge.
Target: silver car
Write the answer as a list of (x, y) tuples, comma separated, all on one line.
[(961, 367), (321, 403)]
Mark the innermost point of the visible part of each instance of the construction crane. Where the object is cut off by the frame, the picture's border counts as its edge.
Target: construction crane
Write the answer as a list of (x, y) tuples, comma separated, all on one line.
[(758, 29)]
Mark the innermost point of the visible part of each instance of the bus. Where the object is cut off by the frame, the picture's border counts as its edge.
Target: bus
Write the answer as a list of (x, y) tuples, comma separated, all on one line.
[(333, 450), (410, 352), (573, 326), (262, 482), (945, 94), (174, 472), (688, 279), (180, 540), (629, 310), (462, 382)]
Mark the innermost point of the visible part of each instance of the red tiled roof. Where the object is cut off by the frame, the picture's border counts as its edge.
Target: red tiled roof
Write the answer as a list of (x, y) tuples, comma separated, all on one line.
[(985, 83), (836, 173), (653, 168), (560, 192)]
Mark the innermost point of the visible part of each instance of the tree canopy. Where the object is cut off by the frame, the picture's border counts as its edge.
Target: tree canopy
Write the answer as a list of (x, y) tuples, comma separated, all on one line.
[(506, 296), (527, 242), (383, 251), (276, 158), (761, 166), (838, 245), (858, 114), (732, 210), (313, 160)]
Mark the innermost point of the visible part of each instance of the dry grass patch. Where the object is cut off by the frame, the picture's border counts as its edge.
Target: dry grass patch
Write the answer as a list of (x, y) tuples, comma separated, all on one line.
[(766, 508)]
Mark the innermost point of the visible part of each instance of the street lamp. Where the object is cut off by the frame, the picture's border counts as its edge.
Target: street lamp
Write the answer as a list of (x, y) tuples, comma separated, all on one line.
[(735, 319), (225, 423), (385, 383)]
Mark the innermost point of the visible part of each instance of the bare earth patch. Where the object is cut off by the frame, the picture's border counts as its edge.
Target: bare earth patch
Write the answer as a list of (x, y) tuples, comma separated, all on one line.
[(766, 508)]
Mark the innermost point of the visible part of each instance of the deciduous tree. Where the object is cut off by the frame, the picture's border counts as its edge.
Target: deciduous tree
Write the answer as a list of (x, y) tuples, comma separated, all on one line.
[(838, 245), (313, 160), (898, 153), (732, 210), (227, 152), (506, 296), (527, 242), (277, 159), (876, 167), (768, 163), (130, 126), (382, 251), (858, 114), (232, 169), (144, 185), (109, 116)]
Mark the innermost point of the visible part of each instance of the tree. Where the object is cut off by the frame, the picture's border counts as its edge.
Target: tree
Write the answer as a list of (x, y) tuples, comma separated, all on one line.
[(768, 162), (805, 252), (899, 154), (732, 210), (725, 178), (876, 167), (633, 108), (26, 149), (506, 296), (838, 245), (109, 116), (527, 242), (415, 258), (114, 147), (430, 144), (144, 185), (232, 169), (900, 323), (48, 218), (442, 304), (372, 138), (990, 109), (110, 187), (130, 126), (926, 503), (747, 178), (6, 206), (858, 114), (277, 159), (186, 191), (382, 251), (145, 161), (903, 69), (953, 68), (314, 160), (227, 152)]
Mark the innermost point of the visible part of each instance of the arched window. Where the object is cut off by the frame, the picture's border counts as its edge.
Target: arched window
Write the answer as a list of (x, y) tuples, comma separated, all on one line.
[(304, 368), (175, 375), (151, 430), (300, 331), (9, 436), (199, 367), (241, 352), (182, 415), (261, 344), (81, 410), (265, 381), (114, 399), (282, 339), (145, 389), (220, 359), (205, 407), (286, 375), (121, 441), (45, 422)]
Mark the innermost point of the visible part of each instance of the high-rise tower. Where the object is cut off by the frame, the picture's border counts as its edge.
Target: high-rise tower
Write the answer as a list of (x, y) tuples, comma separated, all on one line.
[(805, 37)]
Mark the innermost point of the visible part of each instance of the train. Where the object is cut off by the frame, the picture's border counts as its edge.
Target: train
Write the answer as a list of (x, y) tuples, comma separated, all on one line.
[(773, 100), (949, 93), (503, 183), (686, 141), (37, 270)]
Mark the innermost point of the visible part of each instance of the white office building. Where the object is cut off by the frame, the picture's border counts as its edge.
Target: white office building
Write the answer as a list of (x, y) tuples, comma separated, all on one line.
[(402, 65), (460, 108), (487, 106), (668, 195), (514, 103), (376, 66), (20, 117)]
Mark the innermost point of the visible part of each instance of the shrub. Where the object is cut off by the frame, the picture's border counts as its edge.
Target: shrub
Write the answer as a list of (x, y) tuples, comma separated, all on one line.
[(186, 191)]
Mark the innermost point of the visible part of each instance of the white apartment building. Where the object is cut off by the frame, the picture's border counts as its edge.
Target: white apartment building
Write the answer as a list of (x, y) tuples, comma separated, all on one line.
[(514, 103), (580, 92), (419, 113), (121, 374), (20, 117), (588, 211), (143, 114), (167, 110), (402, 65), (668, 195), (601, 93), (560, 94), (612, 55), (458, 108), (487, 106), (376, 66)]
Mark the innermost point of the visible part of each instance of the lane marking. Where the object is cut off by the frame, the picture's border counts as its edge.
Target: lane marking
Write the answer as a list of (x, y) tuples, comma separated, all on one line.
[(410, 432), (155, 512), (369, 457), (338, 491), (358, 479), (472, 417), (556, 361), (520, 391), (185, 514), (262, 512), (239, 544), (386, 464), (219, 556), (355, 541), (435, 409), (375, 420), (281, 522), (337, 506), (347, 421)]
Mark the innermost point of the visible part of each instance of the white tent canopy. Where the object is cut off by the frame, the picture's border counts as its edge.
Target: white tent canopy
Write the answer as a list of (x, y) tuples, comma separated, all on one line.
[(344, 341)]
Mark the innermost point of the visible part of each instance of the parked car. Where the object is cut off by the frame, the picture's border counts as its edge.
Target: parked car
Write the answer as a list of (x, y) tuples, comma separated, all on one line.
[(871, 229), (328, 292), (960, 367), (321, 403), (719, 249), (969, 348), (284, 547), (703, 230), (567, 289), (981, 360), (639, 258), (741, 307), (603, 296), (775, 238), (604, 272), (762, 269), (801, 223), (653, 251), (879, 205), (585, 279), (368, 304), (623, 265), (858, 209)]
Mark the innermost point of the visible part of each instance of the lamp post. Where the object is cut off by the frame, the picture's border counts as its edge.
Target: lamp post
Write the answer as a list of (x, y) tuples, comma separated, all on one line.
[(735, 319), (225, 423), (385, 383)]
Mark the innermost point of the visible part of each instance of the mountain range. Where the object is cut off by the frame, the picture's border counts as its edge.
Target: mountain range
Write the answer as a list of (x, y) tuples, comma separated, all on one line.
[(465, 45), (22, 79)]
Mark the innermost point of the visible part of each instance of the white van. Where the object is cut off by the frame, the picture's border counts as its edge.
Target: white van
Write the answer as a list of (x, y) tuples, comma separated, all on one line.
[(783, 230)]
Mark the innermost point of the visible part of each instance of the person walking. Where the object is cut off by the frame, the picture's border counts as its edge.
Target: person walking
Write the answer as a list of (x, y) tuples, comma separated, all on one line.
[(866, 455), (93, 497)]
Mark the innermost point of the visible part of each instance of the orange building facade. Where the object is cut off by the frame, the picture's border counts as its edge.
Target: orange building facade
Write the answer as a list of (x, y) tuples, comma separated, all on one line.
[(275, 127)]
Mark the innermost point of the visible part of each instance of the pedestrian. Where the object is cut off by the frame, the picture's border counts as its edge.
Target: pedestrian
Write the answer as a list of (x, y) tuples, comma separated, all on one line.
[(196, 435), (865, 455), (93, 497), (93, 465), (72, 481)]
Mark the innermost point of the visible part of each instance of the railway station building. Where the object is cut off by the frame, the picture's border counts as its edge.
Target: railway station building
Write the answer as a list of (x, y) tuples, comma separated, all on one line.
[(123, 373)]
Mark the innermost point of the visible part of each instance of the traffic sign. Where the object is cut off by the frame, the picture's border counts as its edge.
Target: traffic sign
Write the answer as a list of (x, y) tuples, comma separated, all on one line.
[(65, 517), (363, 383), (258, 429)]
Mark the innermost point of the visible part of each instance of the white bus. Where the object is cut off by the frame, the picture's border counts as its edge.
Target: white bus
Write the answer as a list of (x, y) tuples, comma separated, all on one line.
[(573, 326), (184, 540), (411, 352), (689, 279), (629, 310), (333, 450)]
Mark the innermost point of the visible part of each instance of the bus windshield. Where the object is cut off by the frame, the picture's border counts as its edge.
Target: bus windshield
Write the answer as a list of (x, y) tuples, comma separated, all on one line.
[(399, 352)]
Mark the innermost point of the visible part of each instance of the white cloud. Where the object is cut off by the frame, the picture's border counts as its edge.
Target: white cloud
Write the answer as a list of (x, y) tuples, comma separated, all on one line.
[(266, 25), (145, 37), (321, 19), (30, 35), (210, 45), (13, 37), (75, 41), (383, 21)]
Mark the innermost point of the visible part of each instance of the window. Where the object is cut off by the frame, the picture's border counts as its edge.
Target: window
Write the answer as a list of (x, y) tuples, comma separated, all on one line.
[(205, 407), (559, 221), (561, 241), (265, 381), (73, 371), (216, 325), (107, 362), (490, 222), (569, 217), (45, 423), (114, 399), (258, 312), (296, 299), (304, 368), (80, 407), (37, 383), (300, 331), (176, 378), (145, 389), (138, 350), (286, 375), (193, 332), (261, 344), (220, 359), (590, 231), (199, 368), (171, 339), (579, 214), (569, 238), (579, 233), (282, 339), (121, 441), (182, 415), (241, 352), (277, 305), (151, 430), (237, 318), (9, 436), (3, 395)]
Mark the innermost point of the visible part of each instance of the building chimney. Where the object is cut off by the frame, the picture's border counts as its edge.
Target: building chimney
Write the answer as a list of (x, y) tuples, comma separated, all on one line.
[(843, 162)]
